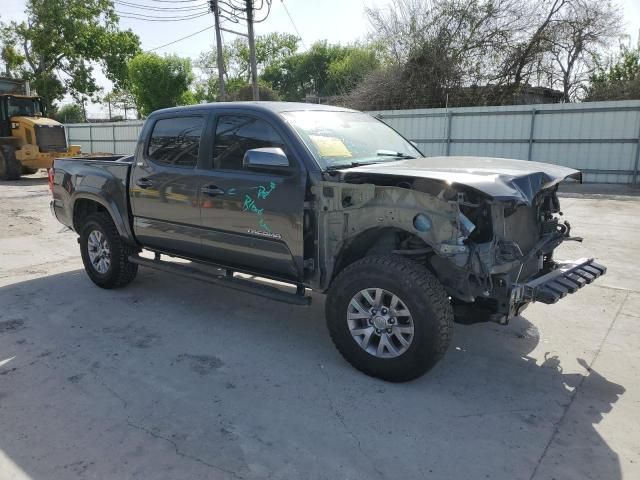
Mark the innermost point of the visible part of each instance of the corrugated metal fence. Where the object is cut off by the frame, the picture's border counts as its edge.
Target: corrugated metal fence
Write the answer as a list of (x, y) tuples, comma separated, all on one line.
[(112, 137), (602, 138)]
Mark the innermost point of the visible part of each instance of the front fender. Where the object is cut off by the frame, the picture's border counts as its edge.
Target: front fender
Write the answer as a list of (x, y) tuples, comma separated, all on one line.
[(346, 210)]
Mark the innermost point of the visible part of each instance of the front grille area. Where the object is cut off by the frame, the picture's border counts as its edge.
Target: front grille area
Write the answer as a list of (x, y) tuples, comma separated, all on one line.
[(522, 227), (51, 139)]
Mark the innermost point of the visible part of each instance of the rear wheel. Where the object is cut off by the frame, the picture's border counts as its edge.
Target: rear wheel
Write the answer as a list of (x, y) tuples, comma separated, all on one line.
[(104, 254), (10, 167), (389, 317)]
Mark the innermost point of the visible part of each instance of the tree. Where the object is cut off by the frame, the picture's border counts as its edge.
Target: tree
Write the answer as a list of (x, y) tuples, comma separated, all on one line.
[(245, 93), (323, 70), (470, 52), (61, 42), (523, 53), (432, 50), (121, 100), (351, 68), (70, 113), (619, 81), (160, 82), (270, 49), (586, 29)]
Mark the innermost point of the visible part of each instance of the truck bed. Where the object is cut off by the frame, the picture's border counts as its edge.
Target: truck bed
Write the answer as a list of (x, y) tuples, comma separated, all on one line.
[(105, 181)]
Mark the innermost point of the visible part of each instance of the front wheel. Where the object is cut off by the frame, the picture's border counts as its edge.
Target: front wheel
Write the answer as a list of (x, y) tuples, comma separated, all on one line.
[(104, 254), (389, 317)]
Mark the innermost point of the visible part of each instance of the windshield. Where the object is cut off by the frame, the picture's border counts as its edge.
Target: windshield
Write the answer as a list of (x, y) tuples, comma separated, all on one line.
[(24, 107), (343, 139)]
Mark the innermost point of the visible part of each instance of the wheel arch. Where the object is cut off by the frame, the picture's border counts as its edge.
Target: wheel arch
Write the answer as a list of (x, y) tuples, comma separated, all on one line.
[(86, 203), (373, 241)]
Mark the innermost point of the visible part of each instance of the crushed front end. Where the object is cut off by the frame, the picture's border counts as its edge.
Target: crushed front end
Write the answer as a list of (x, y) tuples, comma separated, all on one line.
[(487, 227), (504, 259)]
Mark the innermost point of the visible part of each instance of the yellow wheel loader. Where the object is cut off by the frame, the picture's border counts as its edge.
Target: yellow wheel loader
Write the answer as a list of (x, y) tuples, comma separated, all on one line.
[(28, 140)]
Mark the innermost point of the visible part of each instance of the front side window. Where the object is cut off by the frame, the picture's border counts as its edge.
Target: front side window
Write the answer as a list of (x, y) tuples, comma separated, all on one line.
[(176, 141), (235, 134)]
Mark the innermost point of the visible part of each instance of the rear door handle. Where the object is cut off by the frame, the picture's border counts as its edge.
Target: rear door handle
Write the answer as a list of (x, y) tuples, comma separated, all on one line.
[(212, 191), (144, 183)]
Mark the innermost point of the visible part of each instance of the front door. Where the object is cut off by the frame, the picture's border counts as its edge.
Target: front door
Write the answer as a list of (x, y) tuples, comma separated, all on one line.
[(165, 186), (252, 219)]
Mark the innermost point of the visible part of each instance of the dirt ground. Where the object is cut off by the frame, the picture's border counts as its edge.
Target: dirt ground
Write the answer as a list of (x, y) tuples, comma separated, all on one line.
[(174, 379)]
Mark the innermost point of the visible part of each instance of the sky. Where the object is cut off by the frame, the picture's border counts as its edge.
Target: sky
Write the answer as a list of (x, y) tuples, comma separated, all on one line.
[(338, 21)]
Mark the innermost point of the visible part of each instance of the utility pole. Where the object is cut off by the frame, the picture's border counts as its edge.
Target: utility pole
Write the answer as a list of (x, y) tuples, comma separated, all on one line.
[(252, 51), (213, 4)]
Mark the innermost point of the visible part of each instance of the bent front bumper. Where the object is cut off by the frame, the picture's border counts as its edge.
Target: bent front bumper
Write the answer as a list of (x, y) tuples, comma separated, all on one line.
[(567, 278)]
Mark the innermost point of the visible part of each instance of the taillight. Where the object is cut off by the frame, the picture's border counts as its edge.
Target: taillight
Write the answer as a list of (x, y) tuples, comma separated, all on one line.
[(50, 176)]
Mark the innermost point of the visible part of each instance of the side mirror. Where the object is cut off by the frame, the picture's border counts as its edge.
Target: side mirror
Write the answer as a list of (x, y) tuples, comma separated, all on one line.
[(267, 157)]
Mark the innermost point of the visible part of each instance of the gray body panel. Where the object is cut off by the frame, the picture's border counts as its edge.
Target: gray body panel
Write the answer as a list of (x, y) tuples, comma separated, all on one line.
[(104, 182), (499, 178), (167, 209)]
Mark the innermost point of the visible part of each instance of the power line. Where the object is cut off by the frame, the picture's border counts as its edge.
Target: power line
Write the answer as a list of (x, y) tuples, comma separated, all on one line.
[(147, 18), (174, 1), (293, 23), (160, 9), (181, 38), (234, 10)]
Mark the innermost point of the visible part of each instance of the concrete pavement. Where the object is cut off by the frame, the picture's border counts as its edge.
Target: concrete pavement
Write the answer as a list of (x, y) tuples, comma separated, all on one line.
[(173, 379)]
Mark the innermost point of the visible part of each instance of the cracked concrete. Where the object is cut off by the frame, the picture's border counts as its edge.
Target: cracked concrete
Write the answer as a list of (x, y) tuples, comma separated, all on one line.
[(175, 379)]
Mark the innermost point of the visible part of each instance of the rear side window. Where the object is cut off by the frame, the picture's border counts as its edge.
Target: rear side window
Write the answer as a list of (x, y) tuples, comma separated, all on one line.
[(176, 141), (235, 134)]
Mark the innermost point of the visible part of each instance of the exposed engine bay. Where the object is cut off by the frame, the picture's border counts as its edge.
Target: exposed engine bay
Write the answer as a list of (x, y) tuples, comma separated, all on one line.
[(484, 239)]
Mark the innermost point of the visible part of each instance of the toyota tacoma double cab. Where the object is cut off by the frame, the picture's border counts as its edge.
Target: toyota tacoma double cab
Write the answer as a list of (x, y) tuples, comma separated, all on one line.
[(332, 200)]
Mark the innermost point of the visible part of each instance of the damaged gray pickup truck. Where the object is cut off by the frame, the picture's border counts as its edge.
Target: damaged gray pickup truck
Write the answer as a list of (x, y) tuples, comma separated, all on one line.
[(331, 200)]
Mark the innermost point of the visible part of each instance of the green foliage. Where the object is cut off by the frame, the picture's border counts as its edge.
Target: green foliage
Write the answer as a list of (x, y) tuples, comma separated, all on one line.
[(120, 99), (324, 70), (245, 93), (160, 82), (270, 49), (621, 81), (71, 113), (206, 91), (349, 70), (11, 57), (57, 46)]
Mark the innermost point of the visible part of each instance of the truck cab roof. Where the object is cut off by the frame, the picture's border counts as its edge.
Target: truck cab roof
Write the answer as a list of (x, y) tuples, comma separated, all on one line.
[(267, 107)]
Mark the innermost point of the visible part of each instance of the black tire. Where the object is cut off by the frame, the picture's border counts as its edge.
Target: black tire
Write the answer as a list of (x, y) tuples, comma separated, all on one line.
[(420, 292), (10, 167), (120, 271)]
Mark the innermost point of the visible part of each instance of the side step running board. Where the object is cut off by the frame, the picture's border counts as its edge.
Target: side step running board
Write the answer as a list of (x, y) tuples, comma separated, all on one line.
[(240, 284)]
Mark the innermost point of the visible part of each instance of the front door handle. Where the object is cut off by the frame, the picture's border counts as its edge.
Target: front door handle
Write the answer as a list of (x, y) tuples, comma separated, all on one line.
[(212, 191), (144, 183)]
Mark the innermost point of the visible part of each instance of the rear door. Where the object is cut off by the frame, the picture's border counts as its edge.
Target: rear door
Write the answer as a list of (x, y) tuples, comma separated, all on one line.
[(165, 185), (252, 219)]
